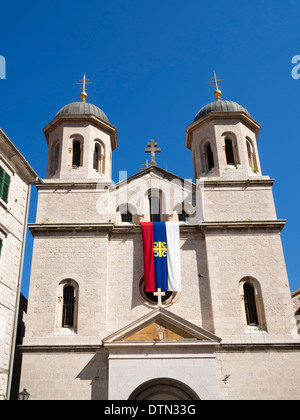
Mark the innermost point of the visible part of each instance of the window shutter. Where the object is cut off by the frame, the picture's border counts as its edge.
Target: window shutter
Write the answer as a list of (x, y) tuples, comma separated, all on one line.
[(6, 187), (1, 180), (1, 244)]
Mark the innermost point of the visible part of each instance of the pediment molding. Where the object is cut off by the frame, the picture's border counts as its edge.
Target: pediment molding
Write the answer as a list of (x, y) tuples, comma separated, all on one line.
[(161, 327)]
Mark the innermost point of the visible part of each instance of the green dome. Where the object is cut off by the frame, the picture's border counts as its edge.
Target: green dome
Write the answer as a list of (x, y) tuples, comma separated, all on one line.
[(220, 106), (79, 108)]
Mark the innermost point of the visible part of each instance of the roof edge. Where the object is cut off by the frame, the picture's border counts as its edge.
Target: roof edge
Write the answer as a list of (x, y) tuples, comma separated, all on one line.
[(33, 177)]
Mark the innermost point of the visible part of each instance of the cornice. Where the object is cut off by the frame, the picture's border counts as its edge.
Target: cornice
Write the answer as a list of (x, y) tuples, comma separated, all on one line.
[(83, 118), (218, 116), (203, 227)]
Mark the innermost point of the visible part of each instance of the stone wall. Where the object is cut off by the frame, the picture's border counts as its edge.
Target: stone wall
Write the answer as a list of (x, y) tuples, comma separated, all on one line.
[(12, 216), (66, 375), (266, 373), (296, 300), (237, 254)]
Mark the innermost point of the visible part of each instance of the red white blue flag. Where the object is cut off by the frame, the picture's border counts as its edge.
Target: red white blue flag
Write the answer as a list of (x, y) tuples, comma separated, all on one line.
[(161, 247)]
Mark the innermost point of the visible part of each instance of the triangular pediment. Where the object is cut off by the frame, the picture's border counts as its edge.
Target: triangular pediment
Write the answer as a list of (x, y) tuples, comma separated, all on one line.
[(150, 173), (162, 326)]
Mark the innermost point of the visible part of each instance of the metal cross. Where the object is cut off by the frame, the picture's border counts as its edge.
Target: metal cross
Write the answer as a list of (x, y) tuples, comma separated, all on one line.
[(159, 295), (145, 164), (216, 80), (152, 148), (84, 82)]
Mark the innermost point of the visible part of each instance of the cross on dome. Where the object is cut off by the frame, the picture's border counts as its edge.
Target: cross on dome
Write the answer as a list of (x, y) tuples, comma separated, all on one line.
[(216, 80), (84, 82)]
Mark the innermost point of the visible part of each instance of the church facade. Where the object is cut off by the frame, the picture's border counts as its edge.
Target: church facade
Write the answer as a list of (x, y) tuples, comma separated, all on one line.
[(92, 332)]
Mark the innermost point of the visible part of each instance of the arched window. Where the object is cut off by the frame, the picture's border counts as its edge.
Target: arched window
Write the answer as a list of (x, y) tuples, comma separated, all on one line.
[(155, 208), (297, 315), (251, 155), (98, 159), (68, 307), (206, 156), (210, 157), (76, 153), (229, 152), (55, 158), (96, 156), (250, 305)]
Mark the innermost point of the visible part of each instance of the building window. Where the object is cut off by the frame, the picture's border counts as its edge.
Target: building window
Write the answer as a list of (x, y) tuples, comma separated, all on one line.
[(54, 158), (210, 157), (250, 304), (4, 185), (97, 153), (154, 299), (155, 208), (206, 156), (98, 158), (76, 153), (150, 300), (251, 156), (126, 217), (183, 216), (1, 245), (229, 152), (68, 307), (297, 315)]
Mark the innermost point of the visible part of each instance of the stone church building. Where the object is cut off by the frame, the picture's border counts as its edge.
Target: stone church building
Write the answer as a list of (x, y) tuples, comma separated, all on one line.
[(92, 332)]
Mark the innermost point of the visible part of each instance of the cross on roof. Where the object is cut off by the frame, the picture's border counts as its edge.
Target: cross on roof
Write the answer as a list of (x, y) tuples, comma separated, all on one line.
[(217, 80), (152, 148), (159, 295), (84, 82)]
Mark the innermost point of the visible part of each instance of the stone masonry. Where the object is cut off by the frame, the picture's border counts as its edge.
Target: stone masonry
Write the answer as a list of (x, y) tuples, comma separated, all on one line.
[(13, 219), (231, 238)]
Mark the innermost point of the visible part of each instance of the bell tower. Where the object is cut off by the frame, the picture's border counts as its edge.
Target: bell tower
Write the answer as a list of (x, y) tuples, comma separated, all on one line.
[(223, 141), (80, 142)]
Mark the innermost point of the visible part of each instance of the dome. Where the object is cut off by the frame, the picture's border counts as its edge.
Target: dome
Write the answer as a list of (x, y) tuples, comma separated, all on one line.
[(220, 106), (79, 108)]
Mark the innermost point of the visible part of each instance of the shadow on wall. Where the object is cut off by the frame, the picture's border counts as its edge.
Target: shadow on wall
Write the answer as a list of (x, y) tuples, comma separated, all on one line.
[(96, 371)]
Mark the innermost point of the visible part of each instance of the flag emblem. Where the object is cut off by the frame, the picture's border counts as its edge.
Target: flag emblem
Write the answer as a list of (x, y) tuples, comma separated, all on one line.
[(161, 249)]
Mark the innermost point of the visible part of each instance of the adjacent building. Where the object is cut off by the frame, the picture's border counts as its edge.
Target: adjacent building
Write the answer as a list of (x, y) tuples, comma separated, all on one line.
[(16, 177)]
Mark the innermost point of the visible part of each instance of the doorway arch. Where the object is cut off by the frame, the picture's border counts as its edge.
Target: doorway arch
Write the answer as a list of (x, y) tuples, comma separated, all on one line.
[(163, 389)]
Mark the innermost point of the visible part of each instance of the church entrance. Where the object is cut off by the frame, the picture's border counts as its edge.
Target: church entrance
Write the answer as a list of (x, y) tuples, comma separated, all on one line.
[(163, 389)]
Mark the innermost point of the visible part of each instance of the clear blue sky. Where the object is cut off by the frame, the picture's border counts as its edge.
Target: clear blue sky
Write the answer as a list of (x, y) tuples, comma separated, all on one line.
[(150, 63)]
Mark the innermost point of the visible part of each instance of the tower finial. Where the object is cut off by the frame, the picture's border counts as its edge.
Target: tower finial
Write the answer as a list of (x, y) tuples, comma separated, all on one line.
[(152, 148), (84, 82), (216, 80)]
